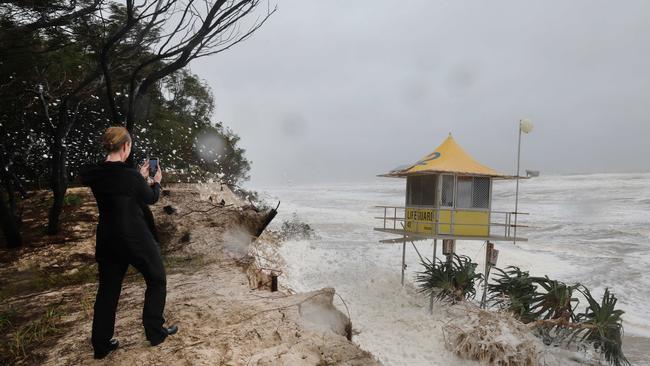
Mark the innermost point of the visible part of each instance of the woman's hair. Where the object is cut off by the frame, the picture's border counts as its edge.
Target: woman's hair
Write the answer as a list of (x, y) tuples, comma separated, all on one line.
[(114, 138)]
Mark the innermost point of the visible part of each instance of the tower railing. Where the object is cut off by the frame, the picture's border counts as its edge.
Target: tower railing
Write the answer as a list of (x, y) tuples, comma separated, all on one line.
[(500, 224)]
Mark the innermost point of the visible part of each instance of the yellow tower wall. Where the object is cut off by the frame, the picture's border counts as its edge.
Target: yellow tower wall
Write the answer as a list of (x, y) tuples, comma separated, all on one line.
[(465, 222)]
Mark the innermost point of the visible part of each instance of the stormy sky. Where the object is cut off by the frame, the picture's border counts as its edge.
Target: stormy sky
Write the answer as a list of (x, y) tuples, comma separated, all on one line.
[(342, 90)]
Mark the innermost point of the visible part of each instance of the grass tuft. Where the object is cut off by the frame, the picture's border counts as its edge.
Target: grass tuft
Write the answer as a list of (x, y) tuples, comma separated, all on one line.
[(17, 344), (72, 200)]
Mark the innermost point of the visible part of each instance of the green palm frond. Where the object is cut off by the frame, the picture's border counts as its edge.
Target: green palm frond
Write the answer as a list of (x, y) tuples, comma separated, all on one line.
[(514, 290), (602, 325), (556, 302), (452, 281), (552, 306)]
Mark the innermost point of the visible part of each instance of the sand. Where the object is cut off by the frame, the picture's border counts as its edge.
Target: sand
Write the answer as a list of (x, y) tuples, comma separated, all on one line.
[(218, 295)]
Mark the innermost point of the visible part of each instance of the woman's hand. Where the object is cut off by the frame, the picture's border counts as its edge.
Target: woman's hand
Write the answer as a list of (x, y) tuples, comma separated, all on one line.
[(144, 169), (158, 177)]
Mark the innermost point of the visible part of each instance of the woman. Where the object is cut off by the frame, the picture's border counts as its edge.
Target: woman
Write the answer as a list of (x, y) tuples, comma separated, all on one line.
[(125, 235)]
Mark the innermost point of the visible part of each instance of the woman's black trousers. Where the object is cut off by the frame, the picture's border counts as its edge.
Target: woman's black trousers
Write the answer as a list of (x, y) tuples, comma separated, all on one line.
[(146, 258)]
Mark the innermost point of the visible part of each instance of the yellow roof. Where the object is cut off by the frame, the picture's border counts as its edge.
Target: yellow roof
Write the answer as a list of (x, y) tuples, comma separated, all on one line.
[(449, 157)]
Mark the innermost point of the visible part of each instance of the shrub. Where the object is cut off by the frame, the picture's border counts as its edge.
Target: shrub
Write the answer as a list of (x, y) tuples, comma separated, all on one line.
[(556, 302), (71, 200), (452, 281), (514, 290), (550, 304), (601, 325)]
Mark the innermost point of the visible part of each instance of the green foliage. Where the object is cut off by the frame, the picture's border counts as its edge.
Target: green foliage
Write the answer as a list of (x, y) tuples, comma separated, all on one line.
[(602, 326), (556, 300), (16, 345), (72, 200), (6, 319), (518, 292), (551, 304), (452, 281), (176, 112), (514, 290)]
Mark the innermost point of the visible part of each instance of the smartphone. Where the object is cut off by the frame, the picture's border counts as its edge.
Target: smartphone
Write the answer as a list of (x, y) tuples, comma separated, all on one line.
[(153, 166)]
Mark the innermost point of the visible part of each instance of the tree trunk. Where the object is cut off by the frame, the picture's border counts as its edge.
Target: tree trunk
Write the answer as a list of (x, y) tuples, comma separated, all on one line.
[(10, 225), (59, 162), (58, 181), (130, 160), (131, 116)]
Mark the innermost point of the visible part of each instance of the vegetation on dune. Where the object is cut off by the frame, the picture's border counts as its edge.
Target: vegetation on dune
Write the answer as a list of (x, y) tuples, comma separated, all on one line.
[(71, 68), (514, 290), (72, 200), (454, 280), (551, 308), (548, 306), (602, 326), (18, 342), (555, 302)]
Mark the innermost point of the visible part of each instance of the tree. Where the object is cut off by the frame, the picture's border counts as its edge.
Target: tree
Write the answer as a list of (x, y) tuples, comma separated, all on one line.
[(9, 220), (39, 41), (76, 57), (33, 15), (191, 146), (162, 37)]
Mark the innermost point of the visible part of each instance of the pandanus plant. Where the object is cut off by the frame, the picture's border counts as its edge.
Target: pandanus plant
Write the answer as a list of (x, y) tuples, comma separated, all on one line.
[(514, 290), (601, 324), (517, 291), (556, 302), (551, 306), (452, 281)]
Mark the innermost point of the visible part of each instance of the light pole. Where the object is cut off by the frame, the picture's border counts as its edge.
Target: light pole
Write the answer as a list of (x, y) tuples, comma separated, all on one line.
[(525, 126)]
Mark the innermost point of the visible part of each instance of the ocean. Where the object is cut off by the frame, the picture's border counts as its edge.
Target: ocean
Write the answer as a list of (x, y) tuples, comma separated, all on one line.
[(589, 229)]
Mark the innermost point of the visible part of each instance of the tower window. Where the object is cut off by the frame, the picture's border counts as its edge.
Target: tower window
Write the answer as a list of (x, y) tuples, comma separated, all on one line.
[(421, 190), (447, 194), (473, 192)]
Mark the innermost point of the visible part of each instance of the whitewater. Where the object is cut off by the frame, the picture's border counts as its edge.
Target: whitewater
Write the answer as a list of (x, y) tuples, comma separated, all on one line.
[(589, 229)]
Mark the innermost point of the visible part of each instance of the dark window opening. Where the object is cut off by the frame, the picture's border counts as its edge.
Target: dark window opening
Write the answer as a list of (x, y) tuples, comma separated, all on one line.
[(421, 190)]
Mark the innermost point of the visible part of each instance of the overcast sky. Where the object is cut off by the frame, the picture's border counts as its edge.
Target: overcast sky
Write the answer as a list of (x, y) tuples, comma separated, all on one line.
[(342, 90)]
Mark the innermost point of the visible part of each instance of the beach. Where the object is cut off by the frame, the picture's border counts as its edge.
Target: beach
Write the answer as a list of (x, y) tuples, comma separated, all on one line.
[(590, 229), (218, 294)]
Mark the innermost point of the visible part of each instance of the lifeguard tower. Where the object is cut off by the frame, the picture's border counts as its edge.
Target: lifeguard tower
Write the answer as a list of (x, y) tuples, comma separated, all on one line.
[(448, 197)]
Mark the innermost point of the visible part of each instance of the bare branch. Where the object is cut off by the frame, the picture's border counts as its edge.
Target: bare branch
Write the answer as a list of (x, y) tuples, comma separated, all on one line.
[(62, 20), (176, 32), (46, 109)]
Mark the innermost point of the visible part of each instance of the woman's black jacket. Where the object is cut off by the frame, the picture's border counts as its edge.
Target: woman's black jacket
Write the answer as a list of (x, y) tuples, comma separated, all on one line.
[(125, 220)]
